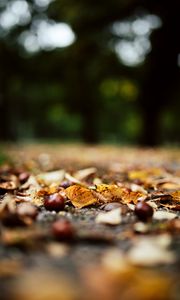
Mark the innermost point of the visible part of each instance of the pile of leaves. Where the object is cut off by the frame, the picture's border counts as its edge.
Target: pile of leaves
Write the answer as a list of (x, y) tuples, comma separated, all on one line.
[(108, 228)]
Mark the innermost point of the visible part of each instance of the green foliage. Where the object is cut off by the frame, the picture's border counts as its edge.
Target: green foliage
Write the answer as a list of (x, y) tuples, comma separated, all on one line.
[(85, 91), (3, 157)]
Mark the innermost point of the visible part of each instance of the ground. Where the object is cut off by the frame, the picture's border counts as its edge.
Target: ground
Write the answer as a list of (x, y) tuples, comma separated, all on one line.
[(89, 222)]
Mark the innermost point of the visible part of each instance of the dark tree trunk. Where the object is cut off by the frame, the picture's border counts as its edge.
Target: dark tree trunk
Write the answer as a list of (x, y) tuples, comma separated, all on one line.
[(82, 89), (4, 126), (7, 107), (89, 129), (163, 73)]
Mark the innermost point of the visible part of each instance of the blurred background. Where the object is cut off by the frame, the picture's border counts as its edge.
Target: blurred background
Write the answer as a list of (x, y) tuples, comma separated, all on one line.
[(90, 71)]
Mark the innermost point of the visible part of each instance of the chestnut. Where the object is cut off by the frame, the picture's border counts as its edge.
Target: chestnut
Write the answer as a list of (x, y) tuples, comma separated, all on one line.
[(143, 211), (54, 202), (62, 229)]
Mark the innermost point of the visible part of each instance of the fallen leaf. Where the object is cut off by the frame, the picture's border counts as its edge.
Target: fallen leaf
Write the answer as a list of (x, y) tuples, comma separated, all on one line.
[(169, 200), (80, 196), (8, 185), (7, 204), (152, 204), (144, 174), (163, 215), (150, 252), (132, 197), (72, 179), (84, 173), (112, 217), (137, 188), (170, 186), (48, 178), (176, 196), (9, 182), (113, 193), (31, 192), (31, 182)]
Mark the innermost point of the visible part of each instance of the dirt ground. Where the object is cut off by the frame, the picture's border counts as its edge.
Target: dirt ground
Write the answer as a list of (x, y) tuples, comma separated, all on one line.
[(116, 235)]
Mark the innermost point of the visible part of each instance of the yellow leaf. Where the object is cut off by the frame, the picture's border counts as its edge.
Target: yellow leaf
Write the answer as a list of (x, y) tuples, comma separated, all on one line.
[(110, 192), (80, 196), (115, 193), (170, 186), (176, 196), (144, 174)]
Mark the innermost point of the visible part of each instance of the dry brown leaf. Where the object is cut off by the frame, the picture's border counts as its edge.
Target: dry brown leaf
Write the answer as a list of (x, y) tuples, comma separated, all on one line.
[(132, 197), (115, 193), (31, 192), (170, 200), (11, 184), (48, 190), (176, 196), (80, 196), (144, 174), (109, 191), (8, 203)]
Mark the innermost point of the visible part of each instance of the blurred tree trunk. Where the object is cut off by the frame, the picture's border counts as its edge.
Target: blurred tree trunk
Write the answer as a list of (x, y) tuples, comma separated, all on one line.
[(89, 128), (162, 76), (4, 126), (7, 111), (82, 89), (7, 108)]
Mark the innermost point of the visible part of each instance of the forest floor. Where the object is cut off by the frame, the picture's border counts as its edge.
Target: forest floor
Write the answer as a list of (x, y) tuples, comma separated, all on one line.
[(89, 222)]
